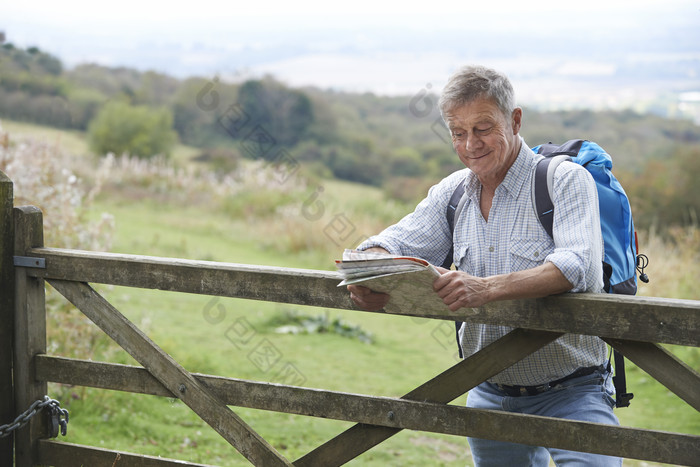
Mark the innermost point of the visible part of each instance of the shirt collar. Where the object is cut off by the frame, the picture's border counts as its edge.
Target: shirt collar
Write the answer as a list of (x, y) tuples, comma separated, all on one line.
[(516, 177)]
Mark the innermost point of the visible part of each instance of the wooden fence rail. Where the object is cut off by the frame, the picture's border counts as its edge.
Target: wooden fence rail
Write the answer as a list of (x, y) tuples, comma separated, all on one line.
[(634, 325), (647, 319)]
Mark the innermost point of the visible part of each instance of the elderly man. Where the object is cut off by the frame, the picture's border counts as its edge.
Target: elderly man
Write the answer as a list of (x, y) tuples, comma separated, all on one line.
[(502, 252)]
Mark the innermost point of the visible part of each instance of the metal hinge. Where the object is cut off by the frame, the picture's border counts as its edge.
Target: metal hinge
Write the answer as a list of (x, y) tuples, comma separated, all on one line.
[(30, 262)]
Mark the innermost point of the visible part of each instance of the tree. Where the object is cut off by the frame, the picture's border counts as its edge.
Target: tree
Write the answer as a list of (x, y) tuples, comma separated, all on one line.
[(201, 108), (138, 130), (404, 162), (665, 193), (282, 113)]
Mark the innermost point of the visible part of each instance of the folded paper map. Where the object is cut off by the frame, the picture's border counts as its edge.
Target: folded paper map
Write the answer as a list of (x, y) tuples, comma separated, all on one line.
[(409, 280)]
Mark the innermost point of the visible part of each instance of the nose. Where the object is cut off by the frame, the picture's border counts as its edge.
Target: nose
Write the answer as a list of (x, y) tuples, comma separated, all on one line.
[(473, 142)]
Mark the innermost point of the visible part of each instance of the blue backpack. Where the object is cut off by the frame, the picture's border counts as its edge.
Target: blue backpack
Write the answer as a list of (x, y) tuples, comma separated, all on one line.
[(622, 260), (619, 237)]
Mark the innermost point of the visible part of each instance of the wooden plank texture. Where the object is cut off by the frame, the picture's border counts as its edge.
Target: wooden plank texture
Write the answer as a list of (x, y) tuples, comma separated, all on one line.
[(173, 376), (7, 310), (30, 333), (633, 443), (444, 388), (646, 319), (664, 367), (58, 454), (200, 277)]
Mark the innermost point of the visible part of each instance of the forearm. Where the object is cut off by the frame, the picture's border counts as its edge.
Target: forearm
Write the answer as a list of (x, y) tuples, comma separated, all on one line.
[(541, 281), (458, 289)]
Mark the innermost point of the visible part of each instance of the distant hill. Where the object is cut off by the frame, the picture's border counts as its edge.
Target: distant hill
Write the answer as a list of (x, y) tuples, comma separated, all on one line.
[(398, 143)]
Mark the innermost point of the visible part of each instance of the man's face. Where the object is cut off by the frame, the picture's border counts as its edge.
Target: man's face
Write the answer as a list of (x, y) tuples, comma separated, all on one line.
[(485, 140)]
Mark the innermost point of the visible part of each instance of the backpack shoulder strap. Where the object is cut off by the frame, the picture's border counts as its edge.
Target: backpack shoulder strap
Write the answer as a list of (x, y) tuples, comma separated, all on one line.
[(622, 397), (454, 207), (452, 212), (454, 204), (542, 188), (570, 148)]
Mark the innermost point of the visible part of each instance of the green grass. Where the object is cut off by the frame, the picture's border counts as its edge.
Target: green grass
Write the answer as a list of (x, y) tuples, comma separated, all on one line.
[(656, 407), (178, 323)]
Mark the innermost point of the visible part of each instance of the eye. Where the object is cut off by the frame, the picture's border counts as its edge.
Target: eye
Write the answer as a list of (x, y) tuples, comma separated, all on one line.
[(483, 130)]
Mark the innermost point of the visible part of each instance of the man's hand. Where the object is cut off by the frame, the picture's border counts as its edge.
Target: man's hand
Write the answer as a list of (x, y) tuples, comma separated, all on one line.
[(458, 289), (367, 299)]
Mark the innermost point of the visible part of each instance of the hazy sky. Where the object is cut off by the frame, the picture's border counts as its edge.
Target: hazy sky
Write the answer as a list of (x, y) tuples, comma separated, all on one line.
[(387, 47), (162, 15)]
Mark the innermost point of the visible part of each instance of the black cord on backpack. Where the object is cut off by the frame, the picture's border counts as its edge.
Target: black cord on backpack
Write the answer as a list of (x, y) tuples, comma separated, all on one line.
[(642, 262)]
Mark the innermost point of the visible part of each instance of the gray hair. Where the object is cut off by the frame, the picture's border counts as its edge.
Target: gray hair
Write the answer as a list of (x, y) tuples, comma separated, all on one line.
[(474, 82)]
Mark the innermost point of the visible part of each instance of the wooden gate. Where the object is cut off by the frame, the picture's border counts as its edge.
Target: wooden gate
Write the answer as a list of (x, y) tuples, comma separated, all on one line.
[(633, 325)]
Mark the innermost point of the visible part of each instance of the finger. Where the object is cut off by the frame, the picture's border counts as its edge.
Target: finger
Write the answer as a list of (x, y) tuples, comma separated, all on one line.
[(452, 301), (441, 280), (358, 289), (372, 303), (367, 299), (442, 285)]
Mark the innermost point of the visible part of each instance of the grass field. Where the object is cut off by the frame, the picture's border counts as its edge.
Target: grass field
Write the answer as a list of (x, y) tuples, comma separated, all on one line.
[(177, 322), (404, 352)]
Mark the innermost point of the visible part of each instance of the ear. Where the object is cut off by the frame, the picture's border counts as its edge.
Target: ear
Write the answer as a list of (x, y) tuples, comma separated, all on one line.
[(517, 120)]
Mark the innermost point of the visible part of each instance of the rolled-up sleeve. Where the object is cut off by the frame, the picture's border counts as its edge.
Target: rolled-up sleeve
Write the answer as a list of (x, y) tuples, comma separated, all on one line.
[(424, 232), (578, 243)]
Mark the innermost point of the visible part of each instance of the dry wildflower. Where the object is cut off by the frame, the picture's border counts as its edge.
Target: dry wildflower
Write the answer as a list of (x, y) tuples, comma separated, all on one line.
[(42, 176), (159, 178)]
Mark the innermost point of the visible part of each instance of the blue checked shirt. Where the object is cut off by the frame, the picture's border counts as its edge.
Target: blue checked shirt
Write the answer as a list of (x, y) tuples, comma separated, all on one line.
[(513, 240)]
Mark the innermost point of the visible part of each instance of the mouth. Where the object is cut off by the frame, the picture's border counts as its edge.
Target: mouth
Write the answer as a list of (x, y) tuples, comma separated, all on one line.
[(479, 157)]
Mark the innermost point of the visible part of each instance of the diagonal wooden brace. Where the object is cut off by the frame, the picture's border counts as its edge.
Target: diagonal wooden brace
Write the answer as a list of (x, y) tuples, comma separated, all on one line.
[(663, 366), (444, 388), (172, 375)]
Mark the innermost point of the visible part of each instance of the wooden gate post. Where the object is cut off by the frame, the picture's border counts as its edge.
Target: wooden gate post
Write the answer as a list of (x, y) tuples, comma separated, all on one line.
[(30, 334), (7, 310)]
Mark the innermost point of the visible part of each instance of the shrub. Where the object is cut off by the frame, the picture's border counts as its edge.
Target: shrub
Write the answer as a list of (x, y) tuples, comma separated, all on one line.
[(137, 130)]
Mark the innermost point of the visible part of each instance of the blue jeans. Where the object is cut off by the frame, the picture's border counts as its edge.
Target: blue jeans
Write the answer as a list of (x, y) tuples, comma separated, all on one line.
[(587, 398)]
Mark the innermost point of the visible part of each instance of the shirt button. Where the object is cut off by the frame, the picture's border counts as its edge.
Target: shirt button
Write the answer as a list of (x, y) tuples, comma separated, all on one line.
[(537, 253), (491, 249)]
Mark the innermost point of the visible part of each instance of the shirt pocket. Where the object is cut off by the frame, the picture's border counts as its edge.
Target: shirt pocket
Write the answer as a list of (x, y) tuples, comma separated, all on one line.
[(528, 253), (463, 259)]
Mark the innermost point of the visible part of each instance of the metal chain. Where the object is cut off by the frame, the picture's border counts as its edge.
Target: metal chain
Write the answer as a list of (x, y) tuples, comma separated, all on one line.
[(58, 415)]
